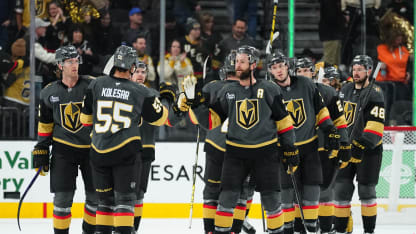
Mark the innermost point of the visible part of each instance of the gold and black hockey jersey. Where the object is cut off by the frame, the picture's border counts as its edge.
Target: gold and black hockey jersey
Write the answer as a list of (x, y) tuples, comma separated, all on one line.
[(115, 106), (336, 112), (370, 123), (60, 115), (256, 116), (305, 105)]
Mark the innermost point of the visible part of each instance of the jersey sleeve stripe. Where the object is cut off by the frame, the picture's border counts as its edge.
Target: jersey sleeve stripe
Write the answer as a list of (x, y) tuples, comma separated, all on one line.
[(193, 117), (162, 119), (284, 124), (168, 123), (340, 122), (214, 119), (86, 120), (45, 129), (322, 116), (375, 128)]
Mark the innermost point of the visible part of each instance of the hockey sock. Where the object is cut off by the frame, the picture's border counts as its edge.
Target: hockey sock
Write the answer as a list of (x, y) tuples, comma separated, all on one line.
[(369, 214), (289, 217), (208, 214), (326, 214), (138, 211), (223, 219), (61, 219), (248, 206), (342, 213), (239, 216), (104, 219), (275, 221), (88, 224)]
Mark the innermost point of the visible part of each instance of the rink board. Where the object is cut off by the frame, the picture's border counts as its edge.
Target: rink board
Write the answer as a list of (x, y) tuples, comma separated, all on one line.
[(168, 196)]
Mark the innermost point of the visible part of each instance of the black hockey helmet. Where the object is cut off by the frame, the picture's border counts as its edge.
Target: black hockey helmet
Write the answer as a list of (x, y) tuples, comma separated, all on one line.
[(304, 63), (364, 60), (252, 52), (229, 65), (278, 57), (331, 72), (66, 52), (125, 57)]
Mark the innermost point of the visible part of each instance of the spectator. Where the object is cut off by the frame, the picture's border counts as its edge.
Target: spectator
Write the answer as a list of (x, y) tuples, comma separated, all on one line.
[(210, 38), (140, 45), (192, 46), (55, 33), (85, 50), (331, 30), (352, 45), (395, 58), (177, 65), (135, 27), (249, 8), (238, 38), (7, 66), (6, 12), (45, 60), (106, 37)]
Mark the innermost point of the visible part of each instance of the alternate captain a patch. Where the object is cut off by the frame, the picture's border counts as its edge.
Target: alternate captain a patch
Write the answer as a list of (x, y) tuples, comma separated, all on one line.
[(70, 116), (247, 113), (350, 109), (296, 110)]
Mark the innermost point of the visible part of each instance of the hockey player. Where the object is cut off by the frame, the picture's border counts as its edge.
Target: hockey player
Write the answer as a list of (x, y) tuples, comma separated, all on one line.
[(364, 112), (60, 126), (148, 138), (331, 100), (114, 106), (305, 105), (256, 116), (215, 150)]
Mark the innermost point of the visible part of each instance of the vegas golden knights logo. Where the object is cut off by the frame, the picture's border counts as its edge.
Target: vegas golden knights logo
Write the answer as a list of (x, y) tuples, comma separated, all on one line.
[(296, 110), (350, 110), (247, 113), (70, 116)]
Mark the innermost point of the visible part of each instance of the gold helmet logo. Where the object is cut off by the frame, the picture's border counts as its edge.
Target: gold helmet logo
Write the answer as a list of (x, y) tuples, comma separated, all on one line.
[(70, 116), (349, 110), (247, 113), (296, 110)]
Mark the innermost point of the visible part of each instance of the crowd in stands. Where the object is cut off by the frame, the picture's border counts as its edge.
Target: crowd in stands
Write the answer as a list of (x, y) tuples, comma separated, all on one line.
[(97, 27)]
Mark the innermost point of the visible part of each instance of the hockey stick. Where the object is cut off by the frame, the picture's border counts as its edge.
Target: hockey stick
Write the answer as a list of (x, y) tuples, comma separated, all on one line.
[(24, 195), (273, 22), (204, 74), (194, 178), (262, 218), (360, 105), (297, 196)]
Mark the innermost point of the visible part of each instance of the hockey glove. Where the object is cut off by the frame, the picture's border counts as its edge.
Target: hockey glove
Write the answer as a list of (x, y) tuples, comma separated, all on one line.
[(291, 157), (41, 160), (357, 151), (332, 139), (193, 90), (167, 91), (183, 103)]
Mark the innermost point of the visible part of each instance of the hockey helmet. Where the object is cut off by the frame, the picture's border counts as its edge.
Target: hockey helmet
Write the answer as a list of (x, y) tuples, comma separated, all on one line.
[(252, 52), (229, 65), (364, 60), (331, 72), (278, 57), (304, 63), (125, 57), (141, 64), (66, 52)]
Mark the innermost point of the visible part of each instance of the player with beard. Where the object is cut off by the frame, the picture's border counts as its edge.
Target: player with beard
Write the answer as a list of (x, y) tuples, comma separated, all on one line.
[(304, 67), (256, 118), (365, 119), (308, 111), (60, 126)]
